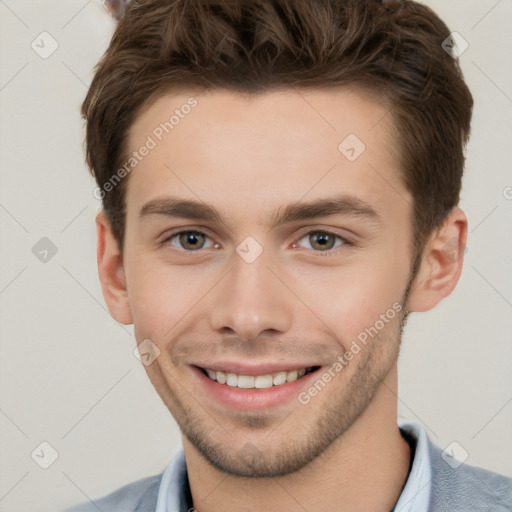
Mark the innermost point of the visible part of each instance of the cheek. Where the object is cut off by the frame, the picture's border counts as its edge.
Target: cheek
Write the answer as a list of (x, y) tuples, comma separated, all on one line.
[(162, 296), (346, 301), (157, 297)]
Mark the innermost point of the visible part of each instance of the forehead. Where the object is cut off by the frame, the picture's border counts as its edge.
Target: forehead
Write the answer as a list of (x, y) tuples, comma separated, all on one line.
[(269, 149)]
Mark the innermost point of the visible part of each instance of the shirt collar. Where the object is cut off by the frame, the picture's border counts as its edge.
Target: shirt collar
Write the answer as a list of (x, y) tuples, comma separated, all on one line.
[(174, 492), (415, 495)]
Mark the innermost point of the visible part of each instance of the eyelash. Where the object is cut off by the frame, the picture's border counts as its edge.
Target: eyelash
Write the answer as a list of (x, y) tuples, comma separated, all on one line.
[(328, 252)]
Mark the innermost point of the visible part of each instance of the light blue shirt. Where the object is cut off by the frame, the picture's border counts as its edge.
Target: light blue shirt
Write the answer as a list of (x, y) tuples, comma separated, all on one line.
[(173, 494)]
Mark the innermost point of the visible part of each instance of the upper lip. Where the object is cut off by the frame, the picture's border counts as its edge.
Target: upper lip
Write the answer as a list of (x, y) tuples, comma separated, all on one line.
[(253, 369)]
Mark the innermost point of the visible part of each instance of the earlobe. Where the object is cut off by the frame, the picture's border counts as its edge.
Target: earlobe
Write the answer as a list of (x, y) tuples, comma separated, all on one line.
[(441, 263), (111, 271)]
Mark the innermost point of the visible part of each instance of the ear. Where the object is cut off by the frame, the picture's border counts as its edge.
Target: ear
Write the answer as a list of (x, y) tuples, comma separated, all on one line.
[(111, 271), (441, 263)]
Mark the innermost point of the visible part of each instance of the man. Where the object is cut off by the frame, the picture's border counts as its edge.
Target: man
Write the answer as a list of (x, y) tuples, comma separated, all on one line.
[(280, 182)]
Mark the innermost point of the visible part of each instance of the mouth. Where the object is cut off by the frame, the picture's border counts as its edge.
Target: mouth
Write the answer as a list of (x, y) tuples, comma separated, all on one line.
[(240, 386), (263, 381)]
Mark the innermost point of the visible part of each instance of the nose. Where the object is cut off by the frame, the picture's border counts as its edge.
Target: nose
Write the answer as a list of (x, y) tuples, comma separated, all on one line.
[(251, 301)]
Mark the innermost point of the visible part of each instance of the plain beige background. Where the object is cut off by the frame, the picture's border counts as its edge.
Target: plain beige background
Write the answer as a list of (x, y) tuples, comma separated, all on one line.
[(68, 374)]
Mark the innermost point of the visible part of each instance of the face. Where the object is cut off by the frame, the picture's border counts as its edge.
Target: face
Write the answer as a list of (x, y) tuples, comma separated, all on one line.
[(255, 246)]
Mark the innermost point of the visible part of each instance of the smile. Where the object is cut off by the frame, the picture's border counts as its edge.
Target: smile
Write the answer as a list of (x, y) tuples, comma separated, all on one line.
[(257, 381)]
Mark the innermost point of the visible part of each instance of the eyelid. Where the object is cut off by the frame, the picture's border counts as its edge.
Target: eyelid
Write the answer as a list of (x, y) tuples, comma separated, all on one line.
[(327, 230)]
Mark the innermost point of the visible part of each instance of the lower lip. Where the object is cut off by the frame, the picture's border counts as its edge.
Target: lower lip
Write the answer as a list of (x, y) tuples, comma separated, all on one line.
[(253, 399)]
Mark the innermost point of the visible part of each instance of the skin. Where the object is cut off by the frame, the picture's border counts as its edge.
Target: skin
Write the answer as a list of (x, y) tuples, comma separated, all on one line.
[(245, 157)]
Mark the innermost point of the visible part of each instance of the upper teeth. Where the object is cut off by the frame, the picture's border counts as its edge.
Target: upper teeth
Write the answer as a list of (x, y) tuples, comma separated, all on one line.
[(255, 381)]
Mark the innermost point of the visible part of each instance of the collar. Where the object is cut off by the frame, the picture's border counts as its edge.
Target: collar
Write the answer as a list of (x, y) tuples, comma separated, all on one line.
[(415, 495), (174, 492)]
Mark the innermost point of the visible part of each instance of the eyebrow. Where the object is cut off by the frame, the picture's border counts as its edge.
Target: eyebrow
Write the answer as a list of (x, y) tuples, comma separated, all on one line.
[(334, 205)]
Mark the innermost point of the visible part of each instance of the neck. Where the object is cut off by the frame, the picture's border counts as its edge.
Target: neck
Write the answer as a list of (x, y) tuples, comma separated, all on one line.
[(365, 469)]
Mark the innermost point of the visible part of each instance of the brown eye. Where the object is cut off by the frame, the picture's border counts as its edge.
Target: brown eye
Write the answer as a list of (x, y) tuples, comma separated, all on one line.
[(321, 240), (191, 240)]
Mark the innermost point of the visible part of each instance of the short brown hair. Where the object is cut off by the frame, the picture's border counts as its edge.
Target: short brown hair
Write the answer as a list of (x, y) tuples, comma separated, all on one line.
[(257, 46)]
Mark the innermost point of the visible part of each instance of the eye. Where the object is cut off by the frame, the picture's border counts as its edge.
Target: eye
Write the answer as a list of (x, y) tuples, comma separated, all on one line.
[(323, 241), (190, 240)]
